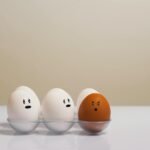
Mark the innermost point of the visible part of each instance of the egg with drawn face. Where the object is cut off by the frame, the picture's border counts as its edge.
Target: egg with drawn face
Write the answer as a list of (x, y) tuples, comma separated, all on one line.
[(29, 90), (23, 111), (58, 110), (95, 108), (84, 93)]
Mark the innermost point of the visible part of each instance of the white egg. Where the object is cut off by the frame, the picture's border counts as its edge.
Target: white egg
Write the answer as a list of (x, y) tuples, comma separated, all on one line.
[(29, 90), (23, 110), (84, 93), (58, 110)]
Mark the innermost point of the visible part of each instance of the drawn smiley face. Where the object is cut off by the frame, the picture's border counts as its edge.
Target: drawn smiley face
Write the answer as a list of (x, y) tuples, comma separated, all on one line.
[(94, 107), (27, 103), (67, 102)]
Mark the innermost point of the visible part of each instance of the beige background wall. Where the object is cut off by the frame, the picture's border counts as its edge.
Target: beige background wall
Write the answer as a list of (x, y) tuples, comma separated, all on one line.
[(73, 44)]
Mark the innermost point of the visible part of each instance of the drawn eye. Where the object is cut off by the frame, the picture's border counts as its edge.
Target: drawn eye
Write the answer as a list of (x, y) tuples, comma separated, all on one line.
[(68, 100), (24, 101), (29, 100), (64, 101), (93, 103), (98, 103)]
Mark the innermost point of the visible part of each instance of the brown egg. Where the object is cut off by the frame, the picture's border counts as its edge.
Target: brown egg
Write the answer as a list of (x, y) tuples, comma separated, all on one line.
[(94, 107)]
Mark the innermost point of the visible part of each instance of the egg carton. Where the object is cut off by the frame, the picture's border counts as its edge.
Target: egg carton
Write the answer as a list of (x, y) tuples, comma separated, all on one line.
[(57, 126), (24, 103)]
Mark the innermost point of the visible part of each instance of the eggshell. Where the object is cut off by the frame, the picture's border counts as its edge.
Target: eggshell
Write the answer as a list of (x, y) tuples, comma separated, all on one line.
[(23, 110), (94, 107), (29, 90), (58, 110), (54, 105), (83, 94)]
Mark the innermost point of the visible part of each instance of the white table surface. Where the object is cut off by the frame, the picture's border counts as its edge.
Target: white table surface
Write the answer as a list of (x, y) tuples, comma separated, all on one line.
[(129, 130)]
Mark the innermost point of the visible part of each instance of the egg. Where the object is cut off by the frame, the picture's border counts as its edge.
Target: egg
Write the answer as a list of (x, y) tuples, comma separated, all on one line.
[(94, 107), (83, 94), (94, 113), (23, 110), (29, 90), (58, 110)]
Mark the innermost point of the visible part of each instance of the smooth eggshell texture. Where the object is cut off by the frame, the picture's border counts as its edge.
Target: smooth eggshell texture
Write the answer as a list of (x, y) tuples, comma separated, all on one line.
[(54, 106), (23, 106), (29, 90), (94, 107), (83, 94)]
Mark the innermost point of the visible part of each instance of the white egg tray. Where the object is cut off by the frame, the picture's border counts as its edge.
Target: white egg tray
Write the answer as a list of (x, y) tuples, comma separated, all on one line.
[(58, 127)]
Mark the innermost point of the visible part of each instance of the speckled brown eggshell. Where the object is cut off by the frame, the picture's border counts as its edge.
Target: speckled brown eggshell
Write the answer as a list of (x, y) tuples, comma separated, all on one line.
[(94, 107)]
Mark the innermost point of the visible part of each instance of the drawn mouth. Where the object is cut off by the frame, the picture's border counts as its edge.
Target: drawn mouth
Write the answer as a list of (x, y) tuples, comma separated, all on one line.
[(68, 105), (28, 107), (96, 109)]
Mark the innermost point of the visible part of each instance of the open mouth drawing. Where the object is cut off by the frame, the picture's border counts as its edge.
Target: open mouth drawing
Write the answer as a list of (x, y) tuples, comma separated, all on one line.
[(68, 105)]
